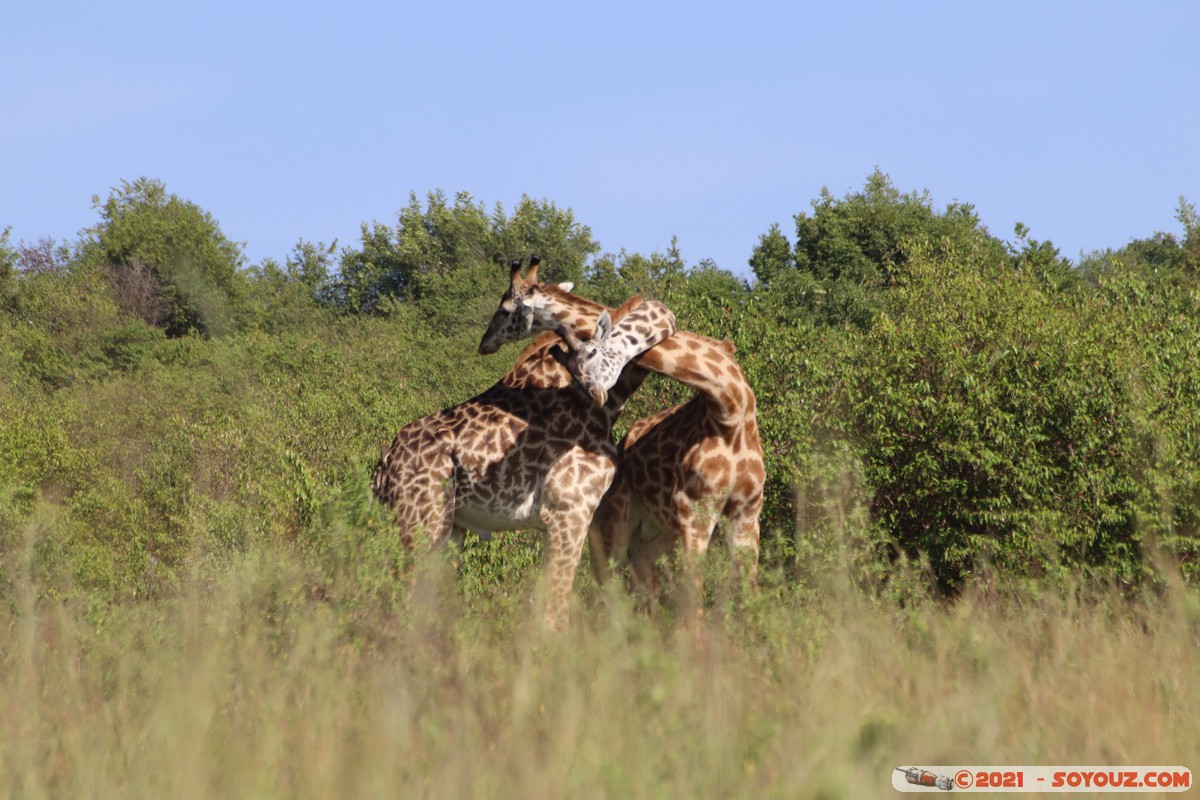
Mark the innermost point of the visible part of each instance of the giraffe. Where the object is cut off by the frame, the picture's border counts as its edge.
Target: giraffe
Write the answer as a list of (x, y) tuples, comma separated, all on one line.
[(680, 470), (530, 452)]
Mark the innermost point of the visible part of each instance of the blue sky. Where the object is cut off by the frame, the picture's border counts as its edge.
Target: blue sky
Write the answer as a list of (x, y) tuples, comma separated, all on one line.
[(705, 121)]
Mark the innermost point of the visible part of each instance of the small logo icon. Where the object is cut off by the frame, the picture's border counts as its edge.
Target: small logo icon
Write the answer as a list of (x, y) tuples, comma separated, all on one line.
[(923, 777)]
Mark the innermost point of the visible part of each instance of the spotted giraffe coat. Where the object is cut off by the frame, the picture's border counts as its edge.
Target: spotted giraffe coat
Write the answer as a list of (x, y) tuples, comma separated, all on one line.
[(530, 452), (686, 468)]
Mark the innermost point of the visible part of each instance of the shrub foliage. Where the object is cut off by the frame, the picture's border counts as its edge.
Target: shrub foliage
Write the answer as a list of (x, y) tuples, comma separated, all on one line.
[(928, 393)]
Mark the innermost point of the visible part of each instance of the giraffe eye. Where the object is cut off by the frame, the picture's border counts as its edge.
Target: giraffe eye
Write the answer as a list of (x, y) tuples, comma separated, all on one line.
[(592, 353)]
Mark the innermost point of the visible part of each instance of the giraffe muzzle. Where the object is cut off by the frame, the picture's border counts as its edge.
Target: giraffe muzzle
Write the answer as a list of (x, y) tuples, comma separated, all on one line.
[(489, 344), (598, 394)]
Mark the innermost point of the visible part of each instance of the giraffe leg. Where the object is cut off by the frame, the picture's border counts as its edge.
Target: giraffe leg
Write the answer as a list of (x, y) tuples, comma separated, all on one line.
[(743, 531), (648, 544), (423, 498), (608, 535), (694, 523), (456, 540), (565, 534), (571, 493)]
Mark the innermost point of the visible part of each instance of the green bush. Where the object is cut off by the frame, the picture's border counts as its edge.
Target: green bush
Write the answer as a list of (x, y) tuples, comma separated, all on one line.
[(998, 425), (985, 416)]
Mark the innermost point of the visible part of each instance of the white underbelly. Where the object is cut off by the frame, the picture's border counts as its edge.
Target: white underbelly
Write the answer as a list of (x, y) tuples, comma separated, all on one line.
[(492, 516)]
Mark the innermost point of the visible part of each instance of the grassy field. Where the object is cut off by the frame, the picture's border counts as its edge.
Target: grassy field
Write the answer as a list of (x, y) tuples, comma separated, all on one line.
[(279, 676), (981, 530)]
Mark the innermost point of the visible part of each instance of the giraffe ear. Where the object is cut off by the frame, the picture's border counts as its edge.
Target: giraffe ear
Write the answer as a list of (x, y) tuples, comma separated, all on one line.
[(603, 325), (566, 287)]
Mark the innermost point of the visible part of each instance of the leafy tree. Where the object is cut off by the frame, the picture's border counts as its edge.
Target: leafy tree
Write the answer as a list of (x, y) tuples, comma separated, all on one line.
[(849, 249), (602, 280), (660, 275), (179, 246), (995, 425), (8, 270), (711, 301), (663, 276), (281, 296), (449, 257), (706, 279), (1164, 258), (704, 297), (372, 274), (1189, 218), (773, 256), (453, 258), (309, 266), (1042, 260), (539, 226), (441, 239)]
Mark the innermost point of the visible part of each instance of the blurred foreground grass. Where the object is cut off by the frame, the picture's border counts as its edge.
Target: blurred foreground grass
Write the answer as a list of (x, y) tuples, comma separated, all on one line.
[(278, 675)]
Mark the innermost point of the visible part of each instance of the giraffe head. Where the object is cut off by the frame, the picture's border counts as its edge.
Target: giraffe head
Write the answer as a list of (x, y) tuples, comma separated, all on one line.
[(586, 361), (596, 363), (527, 308)]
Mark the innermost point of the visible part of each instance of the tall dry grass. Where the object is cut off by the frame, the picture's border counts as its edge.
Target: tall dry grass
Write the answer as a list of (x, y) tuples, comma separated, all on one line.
[(253, 683)]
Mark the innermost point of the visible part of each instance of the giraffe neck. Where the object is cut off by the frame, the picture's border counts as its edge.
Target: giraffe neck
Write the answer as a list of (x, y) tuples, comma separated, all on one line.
[(630, 381), (560, 308), (708, 366)]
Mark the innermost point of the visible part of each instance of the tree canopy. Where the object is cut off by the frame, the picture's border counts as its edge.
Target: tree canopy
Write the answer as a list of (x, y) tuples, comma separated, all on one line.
[(167, 258)]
